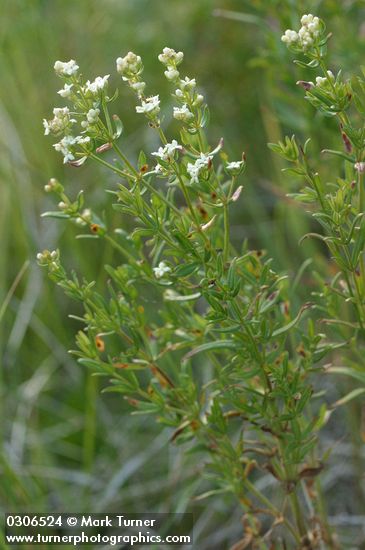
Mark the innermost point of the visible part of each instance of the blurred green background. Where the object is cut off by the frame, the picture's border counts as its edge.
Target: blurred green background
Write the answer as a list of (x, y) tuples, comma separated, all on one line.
[(65, 447)]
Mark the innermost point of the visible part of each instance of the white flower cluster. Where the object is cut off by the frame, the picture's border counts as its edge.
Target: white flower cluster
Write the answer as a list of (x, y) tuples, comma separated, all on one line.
[(322, 80), (66, 91), (86, 112), (185, 93), (60, 122), (183, 113), (130, 68), (167, 153), (92, 117), (129, 65), (67, 144), (98, 85), (149, 106), (52, 259), (161, 270), (307, 34), (68, 68), (235, 167), (52, 185), (194, 170), (171, 60)]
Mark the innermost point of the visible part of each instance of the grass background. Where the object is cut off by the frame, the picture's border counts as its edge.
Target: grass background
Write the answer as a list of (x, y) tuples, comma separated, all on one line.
[(63, 446)]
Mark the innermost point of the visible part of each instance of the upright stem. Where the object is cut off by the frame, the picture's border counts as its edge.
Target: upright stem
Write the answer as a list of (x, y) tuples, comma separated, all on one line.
[(90, 422), (191, 208), (125, 160), (360, 185), (272, 508), (226, 220)]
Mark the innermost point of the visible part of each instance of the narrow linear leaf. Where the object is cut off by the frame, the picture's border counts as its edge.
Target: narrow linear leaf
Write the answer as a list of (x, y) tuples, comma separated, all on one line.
[(349, 397), (287, 327), (210, 346)]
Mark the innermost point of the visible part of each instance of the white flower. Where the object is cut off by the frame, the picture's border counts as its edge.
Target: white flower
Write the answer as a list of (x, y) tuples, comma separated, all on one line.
[(188, 83), (167, 152), (170, 58), (99, 84), (305, 37), (66, 144), (61, 112), (60, 121), (234, 168), (64, 147), (47, 127), (51, 185), (183, 113), (129, 65), (158, 169), (161, 270), (68, 68), (289, 37), (198, 100), (138, 87), (92, 116), (46, 256), (86, 214), (320, 80), (172, 74), (66, 90), (200, 164), (80, 140), (150, 106), (234, 165), (309, 19)]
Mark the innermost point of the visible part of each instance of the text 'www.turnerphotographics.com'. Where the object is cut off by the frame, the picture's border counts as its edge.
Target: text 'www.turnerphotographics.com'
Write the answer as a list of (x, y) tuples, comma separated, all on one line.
[(99, 529)]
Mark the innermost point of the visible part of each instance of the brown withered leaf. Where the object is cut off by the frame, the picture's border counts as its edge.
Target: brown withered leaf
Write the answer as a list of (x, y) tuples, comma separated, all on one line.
[(311, 471), (179, 430)]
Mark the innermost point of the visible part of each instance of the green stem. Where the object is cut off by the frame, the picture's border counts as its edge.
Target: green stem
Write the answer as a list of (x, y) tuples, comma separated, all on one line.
[(200, 140), (226, 221), (191, 208), (120, 249), (297, 513), (251, 487), (360, 185), (125, 160), (90, 422), (108, 165), (162, 135)]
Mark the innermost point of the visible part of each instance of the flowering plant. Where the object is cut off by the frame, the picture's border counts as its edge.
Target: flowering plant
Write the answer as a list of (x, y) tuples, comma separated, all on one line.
[(190, 329)]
